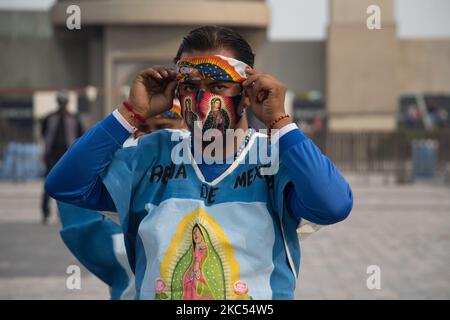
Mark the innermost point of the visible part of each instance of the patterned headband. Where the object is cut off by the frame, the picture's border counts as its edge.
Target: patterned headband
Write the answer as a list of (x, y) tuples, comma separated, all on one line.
[(216, 67)]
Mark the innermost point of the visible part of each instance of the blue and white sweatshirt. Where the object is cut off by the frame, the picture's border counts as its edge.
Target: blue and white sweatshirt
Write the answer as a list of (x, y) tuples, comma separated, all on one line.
[(98, 243), (204, 231)]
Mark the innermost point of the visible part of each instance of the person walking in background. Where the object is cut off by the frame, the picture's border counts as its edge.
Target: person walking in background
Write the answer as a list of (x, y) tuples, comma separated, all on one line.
[(59, 131)]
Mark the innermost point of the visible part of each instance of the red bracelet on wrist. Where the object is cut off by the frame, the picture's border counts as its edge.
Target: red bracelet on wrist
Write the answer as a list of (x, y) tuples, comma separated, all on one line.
[(277, 120), (137, 115)]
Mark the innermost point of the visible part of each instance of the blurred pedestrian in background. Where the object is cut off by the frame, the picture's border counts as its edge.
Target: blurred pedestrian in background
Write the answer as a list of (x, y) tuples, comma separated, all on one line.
[(59, 131)]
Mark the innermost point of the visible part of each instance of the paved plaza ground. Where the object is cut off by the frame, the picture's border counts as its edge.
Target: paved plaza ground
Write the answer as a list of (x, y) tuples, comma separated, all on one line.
[(402, 229)]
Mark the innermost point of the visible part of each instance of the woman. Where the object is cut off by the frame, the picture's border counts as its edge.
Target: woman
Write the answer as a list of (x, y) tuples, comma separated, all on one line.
[(194, 277), (196, 282), (251, 219), (190, 116), (217, 116)]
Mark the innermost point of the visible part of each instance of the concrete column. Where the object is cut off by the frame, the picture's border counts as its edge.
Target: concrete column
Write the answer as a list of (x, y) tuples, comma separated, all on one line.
[(361, 68)]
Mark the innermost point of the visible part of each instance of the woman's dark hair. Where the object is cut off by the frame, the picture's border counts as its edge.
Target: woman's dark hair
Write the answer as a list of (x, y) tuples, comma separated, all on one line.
[(215, 37), (192, 234)]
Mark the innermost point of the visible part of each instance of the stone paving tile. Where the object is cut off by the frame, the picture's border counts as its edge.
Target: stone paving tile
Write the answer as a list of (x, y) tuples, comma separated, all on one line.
[(54, 288), (404, 229)]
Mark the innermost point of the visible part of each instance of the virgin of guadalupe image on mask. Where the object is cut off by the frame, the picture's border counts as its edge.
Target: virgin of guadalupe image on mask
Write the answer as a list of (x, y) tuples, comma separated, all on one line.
[(218, 117), (191, 116)]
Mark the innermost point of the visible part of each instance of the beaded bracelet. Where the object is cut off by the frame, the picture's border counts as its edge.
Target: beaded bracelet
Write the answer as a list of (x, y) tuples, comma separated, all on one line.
[(137, 115), (277, 120)]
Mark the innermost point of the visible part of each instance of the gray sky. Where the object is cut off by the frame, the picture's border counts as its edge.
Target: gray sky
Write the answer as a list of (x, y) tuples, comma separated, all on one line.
[(298, 19), (308, 19)]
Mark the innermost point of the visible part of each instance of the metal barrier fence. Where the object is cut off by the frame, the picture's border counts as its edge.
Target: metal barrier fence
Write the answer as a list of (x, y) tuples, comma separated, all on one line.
[(382, 152), (22, 162), (360, 152)]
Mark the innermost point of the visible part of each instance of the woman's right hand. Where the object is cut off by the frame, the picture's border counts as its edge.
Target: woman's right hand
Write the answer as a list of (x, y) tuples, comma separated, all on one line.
[(153, 91)]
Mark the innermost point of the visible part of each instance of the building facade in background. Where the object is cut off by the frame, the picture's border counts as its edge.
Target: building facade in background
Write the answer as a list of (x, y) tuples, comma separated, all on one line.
[(356, 80), (370, 72), (133, 35)]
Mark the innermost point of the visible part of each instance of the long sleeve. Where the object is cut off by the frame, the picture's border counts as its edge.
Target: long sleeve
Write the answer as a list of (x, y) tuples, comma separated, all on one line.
[(98, 243), (76, 178), (317, 192)]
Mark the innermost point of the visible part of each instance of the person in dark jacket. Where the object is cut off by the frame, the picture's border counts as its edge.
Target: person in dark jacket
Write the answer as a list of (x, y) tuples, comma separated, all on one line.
[(59, 131)]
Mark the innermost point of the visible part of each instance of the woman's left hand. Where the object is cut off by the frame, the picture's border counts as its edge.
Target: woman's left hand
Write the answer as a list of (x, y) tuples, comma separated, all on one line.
[(266, 96)]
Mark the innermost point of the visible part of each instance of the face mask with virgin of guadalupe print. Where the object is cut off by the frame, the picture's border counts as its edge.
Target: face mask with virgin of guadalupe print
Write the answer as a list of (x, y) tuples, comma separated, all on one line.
[(205, 109)]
